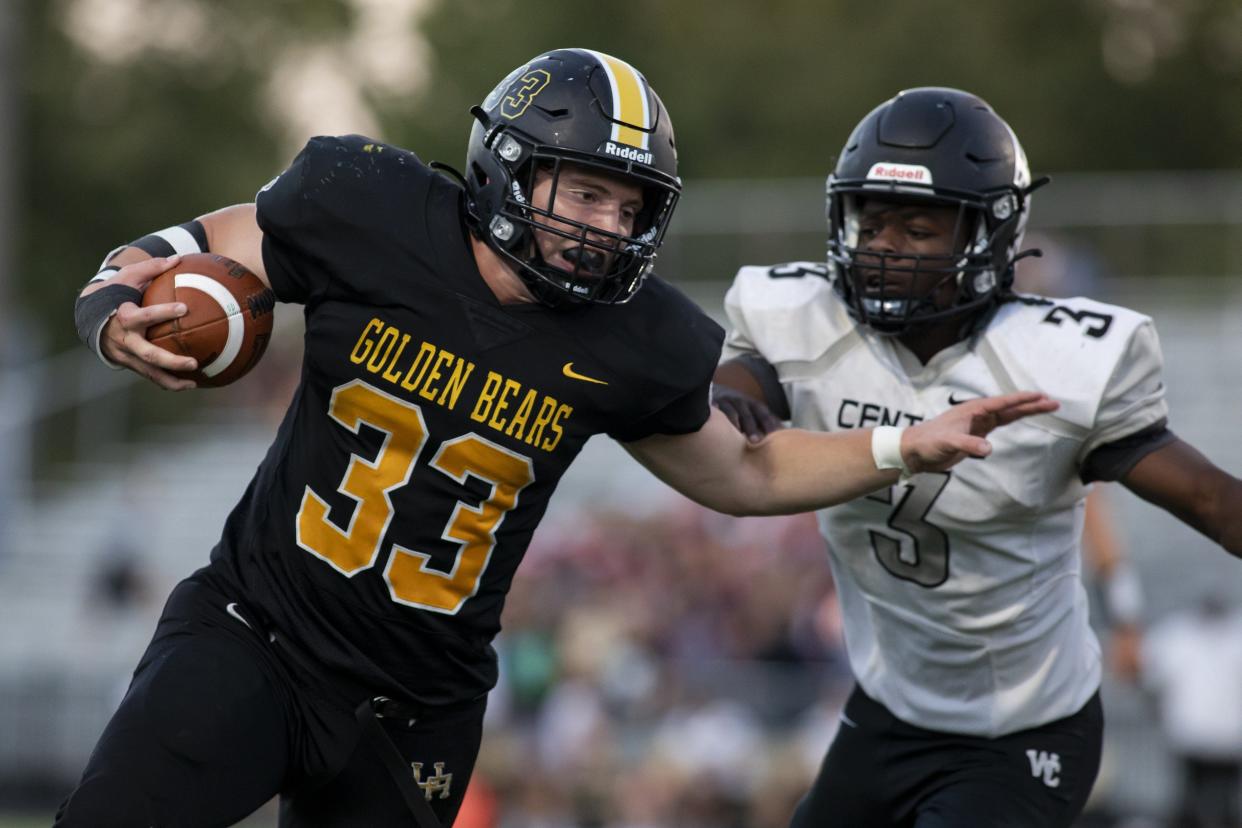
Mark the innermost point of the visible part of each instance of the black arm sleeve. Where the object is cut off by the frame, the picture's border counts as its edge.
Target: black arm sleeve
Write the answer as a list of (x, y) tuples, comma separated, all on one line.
[(769, 384), (1113, 461)]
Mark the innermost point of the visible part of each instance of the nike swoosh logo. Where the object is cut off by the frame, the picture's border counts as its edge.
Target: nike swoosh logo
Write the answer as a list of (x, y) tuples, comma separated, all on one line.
[(953, 401), (231, 609), (568, 370), (847, 721)]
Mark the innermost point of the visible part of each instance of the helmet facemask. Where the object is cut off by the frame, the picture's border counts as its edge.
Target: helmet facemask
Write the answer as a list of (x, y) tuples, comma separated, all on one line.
[(608, 267), (893, 292)]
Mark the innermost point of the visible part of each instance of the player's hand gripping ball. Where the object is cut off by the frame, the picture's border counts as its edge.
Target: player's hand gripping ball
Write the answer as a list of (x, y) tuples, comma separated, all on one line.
[(228, 319)]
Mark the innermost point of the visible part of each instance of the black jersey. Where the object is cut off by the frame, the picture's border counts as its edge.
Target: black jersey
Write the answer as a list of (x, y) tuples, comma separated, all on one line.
[(431, 425)]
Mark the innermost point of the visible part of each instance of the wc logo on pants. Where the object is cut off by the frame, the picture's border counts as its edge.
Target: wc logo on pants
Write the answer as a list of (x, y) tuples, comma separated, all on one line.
[(1047, 765)]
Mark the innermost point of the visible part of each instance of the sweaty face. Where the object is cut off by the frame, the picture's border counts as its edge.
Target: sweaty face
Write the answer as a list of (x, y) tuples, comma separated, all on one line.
[(912, 249), (607, 205)]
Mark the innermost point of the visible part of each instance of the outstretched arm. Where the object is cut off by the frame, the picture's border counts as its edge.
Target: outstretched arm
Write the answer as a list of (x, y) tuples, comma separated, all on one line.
[(1180, 480), (793, 470)]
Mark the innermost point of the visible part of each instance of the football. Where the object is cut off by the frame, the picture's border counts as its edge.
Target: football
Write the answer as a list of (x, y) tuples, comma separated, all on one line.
[(228, 319)]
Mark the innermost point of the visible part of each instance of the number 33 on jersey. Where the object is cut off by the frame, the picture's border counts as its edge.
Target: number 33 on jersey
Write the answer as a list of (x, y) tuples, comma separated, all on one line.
[(371, 484)]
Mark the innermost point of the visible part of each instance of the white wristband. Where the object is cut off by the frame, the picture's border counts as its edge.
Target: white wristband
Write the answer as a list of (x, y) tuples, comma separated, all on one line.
[(886, 449)]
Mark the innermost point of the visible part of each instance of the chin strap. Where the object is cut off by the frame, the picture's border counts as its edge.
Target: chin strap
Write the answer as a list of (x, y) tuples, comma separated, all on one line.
[(550, 295), (470, 215), (1036, 184), (1030, 253), (451, 172)]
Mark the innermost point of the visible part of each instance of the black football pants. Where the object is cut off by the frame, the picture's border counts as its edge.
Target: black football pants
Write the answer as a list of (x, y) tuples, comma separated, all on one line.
[(883, 773), (214, 725)]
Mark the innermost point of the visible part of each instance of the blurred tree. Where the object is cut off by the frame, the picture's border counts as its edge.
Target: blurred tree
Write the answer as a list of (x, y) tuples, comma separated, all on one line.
[(774, 91), (141, 113), (138, 115)]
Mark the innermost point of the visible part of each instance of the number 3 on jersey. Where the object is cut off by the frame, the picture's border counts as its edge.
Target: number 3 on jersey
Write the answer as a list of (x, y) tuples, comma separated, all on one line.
[(921, 553), (371, 484)]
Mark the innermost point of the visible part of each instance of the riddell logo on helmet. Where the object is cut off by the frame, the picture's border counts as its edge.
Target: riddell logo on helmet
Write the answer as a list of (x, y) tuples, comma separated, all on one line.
[(914, 173), (628, 153)]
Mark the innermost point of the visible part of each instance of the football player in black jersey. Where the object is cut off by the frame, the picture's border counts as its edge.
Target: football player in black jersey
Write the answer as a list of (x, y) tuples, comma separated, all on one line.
[(465, 336)]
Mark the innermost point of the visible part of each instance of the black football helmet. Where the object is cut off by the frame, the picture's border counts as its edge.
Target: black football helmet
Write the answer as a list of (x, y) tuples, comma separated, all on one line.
[(591, 109), (930, 145)]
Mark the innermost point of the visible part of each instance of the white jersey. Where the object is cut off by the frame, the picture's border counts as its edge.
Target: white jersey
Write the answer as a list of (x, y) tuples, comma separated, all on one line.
[(963, 604)]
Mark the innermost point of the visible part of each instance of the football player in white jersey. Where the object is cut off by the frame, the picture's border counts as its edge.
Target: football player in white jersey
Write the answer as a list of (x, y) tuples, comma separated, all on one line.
[(965, 615)]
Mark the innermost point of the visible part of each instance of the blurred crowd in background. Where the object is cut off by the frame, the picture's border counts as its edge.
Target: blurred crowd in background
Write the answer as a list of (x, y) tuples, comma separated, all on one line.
[(679, 669)]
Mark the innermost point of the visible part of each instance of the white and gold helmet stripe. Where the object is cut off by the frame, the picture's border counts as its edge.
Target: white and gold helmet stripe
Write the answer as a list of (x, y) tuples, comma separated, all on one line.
[(630, 112)]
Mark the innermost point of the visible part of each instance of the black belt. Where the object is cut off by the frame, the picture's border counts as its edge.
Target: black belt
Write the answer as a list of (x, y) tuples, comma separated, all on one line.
[(368, 714)]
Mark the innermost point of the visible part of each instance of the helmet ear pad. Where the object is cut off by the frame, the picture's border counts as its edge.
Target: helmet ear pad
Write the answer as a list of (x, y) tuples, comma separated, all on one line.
[(491, 181)]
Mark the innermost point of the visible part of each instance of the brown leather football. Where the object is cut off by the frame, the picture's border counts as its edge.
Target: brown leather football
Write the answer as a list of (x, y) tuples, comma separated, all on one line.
[(228, 319)]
